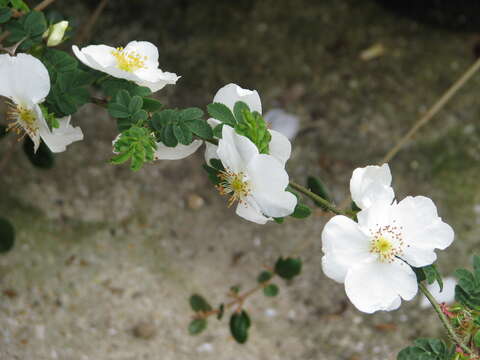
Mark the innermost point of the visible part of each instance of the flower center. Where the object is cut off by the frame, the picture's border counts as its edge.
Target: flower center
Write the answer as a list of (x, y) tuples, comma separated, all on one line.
[(235, 185), (387, 242), (128, 61), (22, 118)]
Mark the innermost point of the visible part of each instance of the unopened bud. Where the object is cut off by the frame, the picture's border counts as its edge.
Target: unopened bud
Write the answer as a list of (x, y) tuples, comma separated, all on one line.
[(55, 33)]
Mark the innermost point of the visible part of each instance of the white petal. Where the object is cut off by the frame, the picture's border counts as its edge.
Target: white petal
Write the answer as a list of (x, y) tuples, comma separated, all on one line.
[(423, 230), (378, 215), (371, 184), (144, 48), (210, 152), (377, 286), (280, 147), (98, 57), (344, 245), (234, 150), (24, 79), (249, 210), (180, 151), (59, 138), (283, 122), (268, 180), (446, 296), (231, 93), (154, 79)]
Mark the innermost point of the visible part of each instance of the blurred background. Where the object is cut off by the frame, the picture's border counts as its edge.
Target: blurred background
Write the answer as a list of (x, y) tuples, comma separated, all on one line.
[(106, 259)]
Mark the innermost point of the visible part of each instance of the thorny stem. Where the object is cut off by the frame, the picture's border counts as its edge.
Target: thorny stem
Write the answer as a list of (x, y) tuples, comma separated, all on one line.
[(446, 323), (316, 198), (239, 300)]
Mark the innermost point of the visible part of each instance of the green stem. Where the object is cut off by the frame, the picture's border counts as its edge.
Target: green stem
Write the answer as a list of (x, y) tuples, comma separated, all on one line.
[(316, 198), (446, 323)]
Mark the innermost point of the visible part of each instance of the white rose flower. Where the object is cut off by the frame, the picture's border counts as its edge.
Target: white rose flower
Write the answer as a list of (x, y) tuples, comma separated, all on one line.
[(25, 81), (256, 181), (137, 62), (373, 257), (370, 184), (279, 146)]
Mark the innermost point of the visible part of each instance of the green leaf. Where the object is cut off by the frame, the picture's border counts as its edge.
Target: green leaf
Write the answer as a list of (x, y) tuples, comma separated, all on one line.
[(467, 290), (317, 187), (69, 92), (5, 14), (182, 134), (198, 303), (123, 98), (354, 207), (270, 290), (43, 158), (222, 113), (151, 105), (427, 349), (138, 144), (7, 235), (301, 211), (120, 158), (20, 5), (429, 273), (117, 110), (217, 131), (28, 29), (197, 326), (212, 174), (288, 268), (217, 164), (239, 325), (239, 109), (139, 117), (279, 220), (200, 128), (111, 86), (57, 61), (253, 126), (135, 104), (264, 276), (191, 114), (168, 136)]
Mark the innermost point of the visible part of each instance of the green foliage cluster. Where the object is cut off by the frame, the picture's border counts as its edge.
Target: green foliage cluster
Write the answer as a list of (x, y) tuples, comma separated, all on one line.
[(427, 349), (246, 123), (285, 268), (467, 292)]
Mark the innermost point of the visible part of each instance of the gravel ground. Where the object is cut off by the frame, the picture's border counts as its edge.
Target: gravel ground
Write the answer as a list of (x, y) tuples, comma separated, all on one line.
[(106, 259)]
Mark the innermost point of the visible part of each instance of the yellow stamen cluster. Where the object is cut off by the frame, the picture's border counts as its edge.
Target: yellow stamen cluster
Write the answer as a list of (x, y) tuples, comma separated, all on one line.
[(23, 119), (387, 242), (234, 185), (128, 61)]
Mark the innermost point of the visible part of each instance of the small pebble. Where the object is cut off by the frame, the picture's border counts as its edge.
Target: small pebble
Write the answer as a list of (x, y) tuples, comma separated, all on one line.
[(195, 201), (144, 330), (205, 347)]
